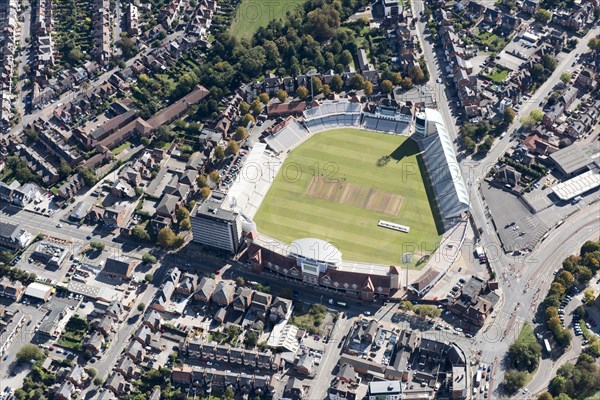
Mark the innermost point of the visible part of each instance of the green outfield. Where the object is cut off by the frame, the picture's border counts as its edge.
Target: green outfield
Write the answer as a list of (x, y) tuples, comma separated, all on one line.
[(252, 14), (338, 185)]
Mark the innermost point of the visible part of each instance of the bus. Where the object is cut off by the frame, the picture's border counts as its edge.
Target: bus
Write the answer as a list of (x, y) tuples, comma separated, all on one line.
[(547, 346)]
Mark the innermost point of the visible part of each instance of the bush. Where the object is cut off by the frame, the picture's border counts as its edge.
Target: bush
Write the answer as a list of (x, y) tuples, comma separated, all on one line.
[(30, 352), (141, 307), (148, 278), (148, 259), (514, 380)]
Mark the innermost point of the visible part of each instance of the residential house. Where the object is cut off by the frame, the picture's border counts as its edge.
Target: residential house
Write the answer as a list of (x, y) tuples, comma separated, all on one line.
[(152, 320), (65, 391), (304, 364), (280, 308), (223, 294), (127, 367), (261, 302), (187, 284), (94, 342), (205, 290), (242, 299), (135, 351), (531, 6), (11, 289), (117, 383), (71, 186)]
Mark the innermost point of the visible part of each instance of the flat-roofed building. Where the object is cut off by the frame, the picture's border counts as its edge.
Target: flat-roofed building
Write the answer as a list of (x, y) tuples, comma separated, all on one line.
[(215, 226)]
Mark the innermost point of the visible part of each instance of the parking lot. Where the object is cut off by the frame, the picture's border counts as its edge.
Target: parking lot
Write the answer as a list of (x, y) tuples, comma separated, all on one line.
[(518, 228)]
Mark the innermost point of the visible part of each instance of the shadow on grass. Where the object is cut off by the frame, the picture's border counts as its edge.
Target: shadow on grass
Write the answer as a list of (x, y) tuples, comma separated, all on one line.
[(408, 148)]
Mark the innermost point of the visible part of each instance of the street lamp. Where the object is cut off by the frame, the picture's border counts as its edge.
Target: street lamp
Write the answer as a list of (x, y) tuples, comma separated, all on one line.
[(406, 259), (312, 72)]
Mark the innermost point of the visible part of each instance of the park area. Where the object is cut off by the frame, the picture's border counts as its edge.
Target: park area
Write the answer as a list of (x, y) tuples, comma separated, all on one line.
[(338, 185), (252, 14)]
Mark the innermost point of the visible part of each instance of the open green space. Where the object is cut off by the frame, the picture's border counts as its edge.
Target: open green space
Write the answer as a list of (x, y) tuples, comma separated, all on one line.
[(252, 14), (526, 335), (498, 75), (384, 169)]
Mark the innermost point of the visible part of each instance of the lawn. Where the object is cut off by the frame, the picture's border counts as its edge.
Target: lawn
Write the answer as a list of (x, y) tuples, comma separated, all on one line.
[(379, 177), (252, 14), (122, 147), (498, 75), (526, 335)]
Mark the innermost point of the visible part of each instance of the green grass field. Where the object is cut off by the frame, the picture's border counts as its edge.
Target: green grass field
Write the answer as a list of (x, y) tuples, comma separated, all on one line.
[(380, 178), (252, 14)]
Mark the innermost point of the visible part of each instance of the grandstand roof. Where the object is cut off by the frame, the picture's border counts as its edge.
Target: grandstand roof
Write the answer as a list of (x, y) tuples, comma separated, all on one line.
[(444, 170), (331, 108), (316, 249)]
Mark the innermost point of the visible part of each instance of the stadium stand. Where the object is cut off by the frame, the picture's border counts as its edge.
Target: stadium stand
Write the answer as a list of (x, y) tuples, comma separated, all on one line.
[(443, 168), (388, 116), (288, 137), (331, 115)]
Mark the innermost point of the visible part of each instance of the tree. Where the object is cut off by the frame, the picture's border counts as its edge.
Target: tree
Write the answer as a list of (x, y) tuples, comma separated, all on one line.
[(556, 288), (229, 393), (257, 106), (326, 90), (214, 176), (264, 98), (140, 234), (30, 352), (357, 82), (232, 147), (368, 88), (470, 144), (127, 47), (141, 307), (322, 22), (219, 153), (240, 281), (545, 396), (205, 192), (336, 83), (551, 312), (64, 170), (185, 224), (406, 83), (98, 381), (251, 339), (537, 71), (148, 277), (91, 372), (302, 92), (75, 56), (165, 238), (97, 246), (416, 73), (549, 62), (594, 44), (565, 278), (345, 58), (565, 77), (202, 181), (182, 213), (589, 295), (509, 115), (282, 95), (248, 119), (386, 86), (525, 355), (148, 259), (244, 108), (543, 16), (514, 380)]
